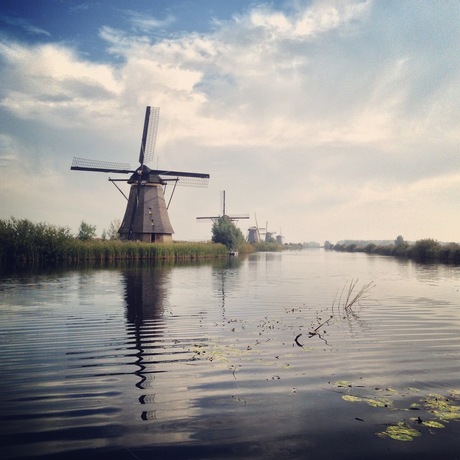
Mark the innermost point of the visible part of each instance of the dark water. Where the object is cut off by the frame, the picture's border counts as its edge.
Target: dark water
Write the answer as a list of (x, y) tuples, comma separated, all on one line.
[(201, 361)]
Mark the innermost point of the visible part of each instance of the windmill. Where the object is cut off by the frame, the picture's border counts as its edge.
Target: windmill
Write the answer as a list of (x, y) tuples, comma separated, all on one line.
[(146, 216), (231, 218), (269, 236), (280, 237), (254, 233)]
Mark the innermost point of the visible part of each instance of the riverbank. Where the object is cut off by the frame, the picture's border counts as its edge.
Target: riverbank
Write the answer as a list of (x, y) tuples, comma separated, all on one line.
[(425, 250), (25, 242)]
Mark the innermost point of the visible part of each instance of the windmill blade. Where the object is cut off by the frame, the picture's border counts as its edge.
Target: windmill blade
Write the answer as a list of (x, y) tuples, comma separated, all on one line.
[(182, 178), (238, 216), (149, 134), (83, 164), (179, 173), (208, 218)]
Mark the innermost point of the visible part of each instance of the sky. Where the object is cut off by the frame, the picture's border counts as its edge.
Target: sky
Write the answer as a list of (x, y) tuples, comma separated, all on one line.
[(321, 120)]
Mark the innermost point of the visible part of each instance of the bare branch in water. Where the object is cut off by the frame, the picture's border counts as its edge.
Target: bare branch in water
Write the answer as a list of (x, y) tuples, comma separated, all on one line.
[(340, 308)]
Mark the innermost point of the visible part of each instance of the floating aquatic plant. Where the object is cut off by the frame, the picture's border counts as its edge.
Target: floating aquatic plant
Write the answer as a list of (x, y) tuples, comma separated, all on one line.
[(399, 431), (444, 409), (433, 424), (374, 402)]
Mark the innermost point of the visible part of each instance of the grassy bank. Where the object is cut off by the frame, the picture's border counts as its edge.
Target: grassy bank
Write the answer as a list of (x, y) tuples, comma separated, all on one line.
[(425, 250), (22, 241)]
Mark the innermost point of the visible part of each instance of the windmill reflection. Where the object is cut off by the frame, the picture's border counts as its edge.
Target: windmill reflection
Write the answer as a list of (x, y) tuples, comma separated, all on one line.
[(145, 294)]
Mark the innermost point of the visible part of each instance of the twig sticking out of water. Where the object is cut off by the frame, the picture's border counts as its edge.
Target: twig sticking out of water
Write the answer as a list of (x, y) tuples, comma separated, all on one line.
[(353, 297), (315, 331)]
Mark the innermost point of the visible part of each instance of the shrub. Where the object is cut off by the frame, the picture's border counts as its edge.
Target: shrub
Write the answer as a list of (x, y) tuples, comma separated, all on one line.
[(425, 249), (224, 231)]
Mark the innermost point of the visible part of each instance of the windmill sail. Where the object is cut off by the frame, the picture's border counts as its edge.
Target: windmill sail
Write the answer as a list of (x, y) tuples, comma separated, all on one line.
[(84, 164), (146, 216), (149, 134), (232, 217)]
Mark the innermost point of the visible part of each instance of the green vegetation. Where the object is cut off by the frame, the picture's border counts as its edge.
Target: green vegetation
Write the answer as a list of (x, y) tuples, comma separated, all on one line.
[(425, 250), (22, 241), (263, 246), (434, 411), (112, 232), (86, 231), (225, 232)]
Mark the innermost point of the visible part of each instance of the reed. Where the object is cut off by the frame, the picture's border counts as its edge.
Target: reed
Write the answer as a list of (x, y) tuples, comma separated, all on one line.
[(101, 251), (22, 241), (352, 296), (267, 247)]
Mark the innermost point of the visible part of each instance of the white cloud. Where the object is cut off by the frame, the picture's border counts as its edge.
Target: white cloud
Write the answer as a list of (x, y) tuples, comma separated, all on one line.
[(49, 81), (25, 25), (145, 23), (311, 115)]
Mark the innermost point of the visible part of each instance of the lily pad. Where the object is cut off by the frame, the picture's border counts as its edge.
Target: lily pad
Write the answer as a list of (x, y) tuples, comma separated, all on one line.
[(433, 424), (343, 383), (442, 407), (379, 402), (351, 398), (399, 432)]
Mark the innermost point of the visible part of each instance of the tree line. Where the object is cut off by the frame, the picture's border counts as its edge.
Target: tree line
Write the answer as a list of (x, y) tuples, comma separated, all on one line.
[(424, 250)]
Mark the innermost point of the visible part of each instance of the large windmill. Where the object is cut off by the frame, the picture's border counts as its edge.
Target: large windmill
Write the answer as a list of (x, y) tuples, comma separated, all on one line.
[(146, 216), (232, 218)]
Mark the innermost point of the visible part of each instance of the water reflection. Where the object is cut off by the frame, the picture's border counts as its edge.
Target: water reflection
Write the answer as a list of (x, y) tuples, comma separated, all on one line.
[(224, 273), (146, 291), (159, 326)]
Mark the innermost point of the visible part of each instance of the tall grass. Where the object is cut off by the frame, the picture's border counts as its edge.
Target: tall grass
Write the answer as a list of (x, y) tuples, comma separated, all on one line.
[(263, 246), (22, 241), (350, 296)]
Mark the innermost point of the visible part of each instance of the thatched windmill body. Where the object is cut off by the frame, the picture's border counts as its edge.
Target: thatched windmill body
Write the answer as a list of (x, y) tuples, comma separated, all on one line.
[(146, 217)]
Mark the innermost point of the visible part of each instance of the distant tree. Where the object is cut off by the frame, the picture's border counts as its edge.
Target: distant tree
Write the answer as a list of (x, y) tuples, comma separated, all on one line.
[(86, 231), (328, 245), (224, 231), (426, 249), (112, 232), (399, 241), (401, 246), (370, 248)]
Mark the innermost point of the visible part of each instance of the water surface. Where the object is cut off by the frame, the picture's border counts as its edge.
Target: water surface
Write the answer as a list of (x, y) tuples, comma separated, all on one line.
[(254, 357)]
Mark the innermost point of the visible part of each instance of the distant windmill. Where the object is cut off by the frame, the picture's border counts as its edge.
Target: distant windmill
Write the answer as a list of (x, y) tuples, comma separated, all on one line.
[(232, 217), (280, 238), (254, 233), (269, 236), (146, 216)]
